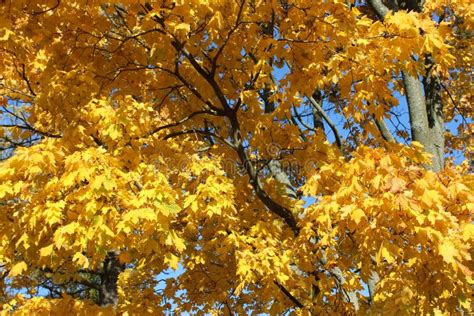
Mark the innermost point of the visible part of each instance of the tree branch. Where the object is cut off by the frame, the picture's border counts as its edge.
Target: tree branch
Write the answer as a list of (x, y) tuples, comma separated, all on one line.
[(47, 10), (32, 129), (379, 7), (183, 120), (196, 131), (273, 206), (328, 120), (383, 129), (289, 295)]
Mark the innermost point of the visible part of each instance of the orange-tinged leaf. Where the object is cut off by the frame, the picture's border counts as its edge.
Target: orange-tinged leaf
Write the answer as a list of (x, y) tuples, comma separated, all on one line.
[(125, 257)]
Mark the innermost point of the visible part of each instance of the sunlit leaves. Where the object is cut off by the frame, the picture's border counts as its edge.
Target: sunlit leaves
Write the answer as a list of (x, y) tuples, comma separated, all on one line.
[(146, 130), (386, 212), (18, 268)]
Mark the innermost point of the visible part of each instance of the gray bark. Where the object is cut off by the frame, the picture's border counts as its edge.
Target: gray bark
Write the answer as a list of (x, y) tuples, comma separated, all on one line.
[(281, 177), (434, 107), (426, 120), (424, 101), (317, 116), (328, 120), (374, 278), (350, 297), (384, 130), (317, 120)]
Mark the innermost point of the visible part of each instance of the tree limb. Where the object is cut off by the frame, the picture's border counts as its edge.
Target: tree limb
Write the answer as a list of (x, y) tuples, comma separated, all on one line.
[(383, 129), (289, 295), (328, 120)]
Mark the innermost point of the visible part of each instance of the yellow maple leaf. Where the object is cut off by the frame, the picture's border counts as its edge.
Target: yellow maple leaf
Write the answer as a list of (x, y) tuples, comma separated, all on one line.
[(81, 260), (41, 60), (46, 251), (172, 261), (357, 215), (385, 252), (448, 251), (18, 269)]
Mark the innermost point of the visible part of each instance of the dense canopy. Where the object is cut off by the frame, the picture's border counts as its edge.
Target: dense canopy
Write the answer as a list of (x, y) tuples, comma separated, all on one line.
[(236, 157)]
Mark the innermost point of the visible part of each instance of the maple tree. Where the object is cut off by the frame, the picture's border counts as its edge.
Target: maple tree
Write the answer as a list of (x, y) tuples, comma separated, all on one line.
[(256, 146)]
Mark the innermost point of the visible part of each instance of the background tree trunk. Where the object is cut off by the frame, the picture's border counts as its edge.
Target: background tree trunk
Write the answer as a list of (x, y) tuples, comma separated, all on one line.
[(424, 98), (108, 286)]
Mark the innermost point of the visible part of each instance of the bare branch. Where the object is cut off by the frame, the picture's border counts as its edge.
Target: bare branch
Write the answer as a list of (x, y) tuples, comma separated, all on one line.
[(47, 10), (328, 120), (32, 129), (183, 120), (289, 295), (232, 30), (196, 131), (383, 129)]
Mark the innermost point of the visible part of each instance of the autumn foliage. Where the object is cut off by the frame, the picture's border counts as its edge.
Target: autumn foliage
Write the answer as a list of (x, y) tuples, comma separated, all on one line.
[(236, 157)]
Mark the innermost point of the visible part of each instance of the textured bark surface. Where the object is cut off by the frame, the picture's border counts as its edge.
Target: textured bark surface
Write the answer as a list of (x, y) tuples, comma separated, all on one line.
[(384, 130), (434, 107), (424, 99), (374, 278), (417, 109), (108, 286)]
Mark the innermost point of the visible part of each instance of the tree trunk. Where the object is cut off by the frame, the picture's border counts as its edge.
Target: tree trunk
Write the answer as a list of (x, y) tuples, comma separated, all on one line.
[(426, 119), (434, 107), (108, 285), (424, 101)]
